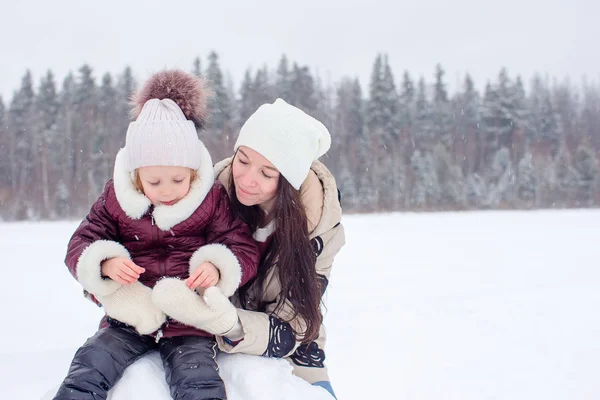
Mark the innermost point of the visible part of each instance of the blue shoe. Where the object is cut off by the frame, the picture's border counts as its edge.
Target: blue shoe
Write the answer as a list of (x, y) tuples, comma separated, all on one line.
[(327, 386)]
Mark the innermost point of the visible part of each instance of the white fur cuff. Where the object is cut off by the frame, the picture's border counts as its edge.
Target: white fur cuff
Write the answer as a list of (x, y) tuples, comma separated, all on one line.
[(88, 266), (225, 261)]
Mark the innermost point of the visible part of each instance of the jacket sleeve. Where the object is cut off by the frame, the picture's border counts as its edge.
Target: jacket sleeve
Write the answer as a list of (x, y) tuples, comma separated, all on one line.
[(266, 333), (95, 240), (230, 246)]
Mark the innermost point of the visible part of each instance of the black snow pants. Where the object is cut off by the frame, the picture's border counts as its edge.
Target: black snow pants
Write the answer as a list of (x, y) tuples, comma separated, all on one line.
[(189, 361)]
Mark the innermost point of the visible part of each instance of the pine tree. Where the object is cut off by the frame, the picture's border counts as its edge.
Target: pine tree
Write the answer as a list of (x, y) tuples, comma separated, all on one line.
[(197, 68), (449, 177), (348, 134), (227, 138), (65, 141), (349, 110), (47, 109), (302, 89), (220, 106), (390, 175), (21, 120), (559, 180), (381, 125), (468, 111), (399, 181), (62, 199), (264, 92), (392, 121), (84, 136), (407, 100), (586, 165), (324, 107), (383, 105), (425, 189), (526, 180), (254, 92), (2, 115), (477, 191), (375, 113), (423, 129), (502, 114), (470, 104), (4, 146), (126, 86), (5, 168), (536, 98), (229, 88), (47, 106), (368, 188), (442, 113), (109, 137), (492, 120), (499, 116), (247, 104), (590, 116), (501, 179), (544, 123), (551, 126), (440, 94), (283, 84), (357, 108), (518, 100), (347, 185), (567, 104)]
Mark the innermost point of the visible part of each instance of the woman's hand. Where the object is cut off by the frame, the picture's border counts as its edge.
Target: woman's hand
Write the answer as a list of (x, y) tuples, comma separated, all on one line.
[(205, 276), (121, 270)]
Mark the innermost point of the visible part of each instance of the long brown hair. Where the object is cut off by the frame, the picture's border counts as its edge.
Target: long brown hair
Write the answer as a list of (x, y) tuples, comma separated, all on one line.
[(292, 250)]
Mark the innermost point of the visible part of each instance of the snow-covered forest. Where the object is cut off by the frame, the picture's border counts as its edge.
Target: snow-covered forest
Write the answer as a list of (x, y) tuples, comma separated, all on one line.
[(405, 142)]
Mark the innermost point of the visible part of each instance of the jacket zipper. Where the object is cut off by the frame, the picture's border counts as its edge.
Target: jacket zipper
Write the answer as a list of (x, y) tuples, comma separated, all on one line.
[(162, 267)]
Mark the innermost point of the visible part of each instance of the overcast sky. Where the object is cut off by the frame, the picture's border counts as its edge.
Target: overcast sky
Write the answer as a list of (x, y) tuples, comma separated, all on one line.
[(335, 37)]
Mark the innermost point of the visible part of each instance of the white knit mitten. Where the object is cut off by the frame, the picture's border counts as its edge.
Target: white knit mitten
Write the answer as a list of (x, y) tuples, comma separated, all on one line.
[(132, 305), (179, 302)]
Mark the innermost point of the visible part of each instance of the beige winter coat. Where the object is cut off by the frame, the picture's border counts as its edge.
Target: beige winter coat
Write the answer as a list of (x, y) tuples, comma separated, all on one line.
[(264, 332)]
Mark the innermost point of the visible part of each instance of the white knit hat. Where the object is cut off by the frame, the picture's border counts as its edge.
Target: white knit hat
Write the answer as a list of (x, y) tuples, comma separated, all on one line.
[(161, 135), (286, 136)]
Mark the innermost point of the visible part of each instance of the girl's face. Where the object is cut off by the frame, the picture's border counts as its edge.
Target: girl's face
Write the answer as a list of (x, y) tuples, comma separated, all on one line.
[(255, 178), (165, 185)]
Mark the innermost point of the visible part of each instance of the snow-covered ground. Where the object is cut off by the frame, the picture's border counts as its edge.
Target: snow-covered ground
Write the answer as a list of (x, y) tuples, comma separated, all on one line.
[(499, 305)]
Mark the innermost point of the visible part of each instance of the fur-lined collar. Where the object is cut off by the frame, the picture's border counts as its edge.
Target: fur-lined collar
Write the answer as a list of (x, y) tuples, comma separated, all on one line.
[(220, 168), (331, 214), (136, 204)]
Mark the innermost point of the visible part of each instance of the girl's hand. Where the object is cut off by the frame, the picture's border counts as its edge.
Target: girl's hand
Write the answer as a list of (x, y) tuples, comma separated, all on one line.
[(205, 276), (122, 270)]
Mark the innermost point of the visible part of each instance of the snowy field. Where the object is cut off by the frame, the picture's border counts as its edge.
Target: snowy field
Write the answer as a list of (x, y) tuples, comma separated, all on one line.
[(500, 305)]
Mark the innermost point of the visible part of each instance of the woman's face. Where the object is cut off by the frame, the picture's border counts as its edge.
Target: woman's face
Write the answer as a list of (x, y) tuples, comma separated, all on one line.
[(255, 178)]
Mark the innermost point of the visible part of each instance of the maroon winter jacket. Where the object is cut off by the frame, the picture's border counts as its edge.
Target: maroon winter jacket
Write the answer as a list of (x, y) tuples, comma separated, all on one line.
[(167, 251)]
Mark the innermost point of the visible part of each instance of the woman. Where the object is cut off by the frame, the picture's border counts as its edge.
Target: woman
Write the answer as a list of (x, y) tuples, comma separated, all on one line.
[(290, 201)]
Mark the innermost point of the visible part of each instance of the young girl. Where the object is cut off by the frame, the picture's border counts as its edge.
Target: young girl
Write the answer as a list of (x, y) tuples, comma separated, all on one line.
[(162, 217)]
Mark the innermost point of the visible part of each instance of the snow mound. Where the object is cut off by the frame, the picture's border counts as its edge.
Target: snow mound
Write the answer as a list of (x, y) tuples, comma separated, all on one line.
[(246, 378)]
